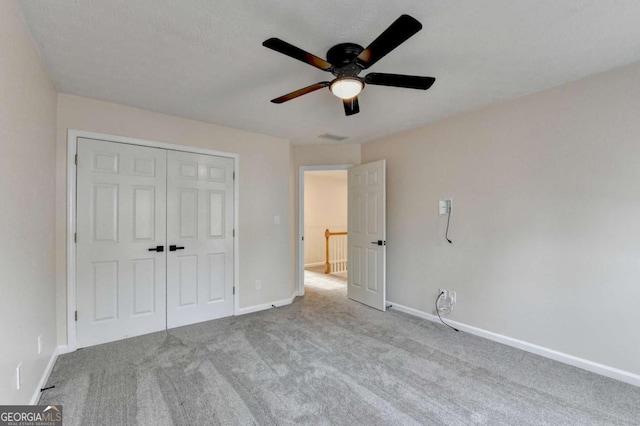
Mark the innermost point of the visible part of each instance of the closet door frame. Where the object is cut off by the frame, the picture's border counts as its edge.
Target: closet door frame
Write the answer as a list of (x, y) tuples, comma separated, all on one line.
[(72, 140)]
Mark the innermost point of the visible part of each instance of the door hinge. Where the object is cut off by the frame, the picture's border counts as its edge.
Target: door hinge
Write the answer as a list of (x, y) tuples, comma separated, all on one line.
[(76, 159), (234, 232), (76, 315), (75, 237), (234, 290), (234, 175)]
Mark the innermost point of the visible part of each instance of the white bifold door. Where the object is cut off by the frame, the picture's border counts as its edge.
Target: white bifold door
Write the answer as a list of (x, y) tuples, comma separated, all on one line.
[(366, 281), (154, 240), (200, 238), (121, 214)]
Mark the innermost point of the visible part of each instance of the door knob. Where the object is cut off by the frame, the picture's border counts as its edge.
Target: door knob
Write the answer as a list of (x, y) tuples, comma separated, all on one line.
[(157, 248), (379, 243), (174, 248)]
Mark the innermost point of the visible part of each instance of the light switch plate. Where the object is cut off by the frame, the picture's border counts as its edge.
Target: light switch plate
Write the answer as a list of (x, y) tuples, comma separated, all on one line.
[(444, 206)]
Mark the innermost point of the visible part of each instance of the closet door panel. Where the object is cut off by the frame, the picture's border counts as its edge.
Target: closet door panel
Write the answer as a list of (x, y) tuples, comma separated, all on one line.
[(200, 201), (121, 214)]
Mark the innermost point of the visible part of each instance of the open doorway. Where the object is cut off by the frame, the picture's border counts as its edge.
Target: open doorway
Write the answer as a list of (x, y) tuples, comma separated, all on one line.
[(323, 254)]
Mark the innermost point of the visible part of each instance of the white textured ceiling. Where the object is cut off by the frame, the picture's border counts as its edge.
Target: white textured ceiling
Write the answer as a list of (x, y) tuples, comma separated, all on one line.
[(204, 60)]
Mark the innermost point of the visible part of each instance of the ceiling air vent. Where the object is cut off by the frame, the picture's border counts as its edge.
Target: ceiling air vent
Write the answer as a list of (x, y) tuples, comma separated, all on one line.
[(332, 137)]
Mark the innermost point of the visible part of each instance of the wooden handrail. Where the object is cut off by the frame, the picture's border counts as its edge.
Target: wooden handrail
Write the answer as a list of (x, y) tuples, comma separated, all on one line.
[(327, 234)]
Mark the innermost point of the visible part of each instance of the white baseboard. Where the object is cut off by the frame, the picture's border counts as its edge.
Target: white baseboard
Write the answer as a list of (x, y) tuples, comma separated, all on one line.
[(264, 306), (585, 364), (309, 265), (47, 371)]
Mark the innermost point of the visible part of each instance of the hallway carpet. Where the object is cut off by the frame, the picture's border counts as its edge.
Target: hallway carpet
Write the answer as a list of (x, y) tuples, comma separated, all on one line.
[(326, 360)]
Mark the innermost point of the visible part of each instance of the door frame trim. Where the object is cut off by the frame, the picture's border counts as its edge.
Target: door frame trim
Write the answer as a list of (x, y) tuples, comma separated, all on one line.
[(301, 170), (72, 137)]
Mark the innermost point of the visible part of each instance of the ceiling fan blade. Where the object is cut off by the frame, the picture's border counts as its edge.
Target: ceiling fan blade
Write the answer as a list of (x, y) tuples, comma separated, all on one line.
[(297, 53), (399, 80), (300, 92), (397, 33), (351, 106)]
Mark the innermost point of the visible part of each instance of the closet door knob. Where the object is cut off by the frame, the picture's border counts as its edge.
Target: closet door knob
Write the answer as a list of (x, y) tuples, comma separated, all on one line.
[(174, 248), (157, 248)]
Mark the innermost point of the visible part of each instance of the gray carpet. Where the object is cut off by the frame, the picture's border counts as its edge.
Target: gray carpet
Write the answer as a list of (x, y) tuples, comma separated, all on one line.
[(325, 360)]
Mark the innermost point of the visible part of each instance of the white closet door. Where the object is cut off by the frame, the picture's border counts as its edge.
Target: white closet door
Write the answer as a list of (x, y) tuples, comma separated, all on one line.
[(367, 229), (121, 205), (200, 237)]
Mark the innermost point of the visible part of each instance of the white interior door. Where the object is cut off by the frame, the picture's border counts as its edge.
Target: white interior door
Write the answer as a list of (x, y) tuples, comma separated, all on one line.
[(121, 204), (367, 234), (200, 236)]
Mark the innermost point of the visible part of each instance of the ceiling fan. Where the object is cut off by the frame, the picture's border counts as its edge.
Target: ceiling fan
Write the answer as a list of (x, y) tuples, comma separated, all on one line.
[(346, 60)]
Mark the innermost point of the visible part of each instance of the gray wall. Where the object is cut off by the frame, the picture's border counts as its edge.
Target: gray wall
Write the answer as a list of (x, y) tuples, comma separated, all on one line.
[(546, 217), (27, 172)]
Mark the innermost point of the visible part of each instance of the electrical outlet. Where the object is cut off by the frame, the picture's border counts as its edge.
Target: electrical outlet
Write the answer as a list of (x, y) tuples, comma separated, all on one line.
[(18, 376), (276, 219), (39, 344), (448, 294), (258, 285)]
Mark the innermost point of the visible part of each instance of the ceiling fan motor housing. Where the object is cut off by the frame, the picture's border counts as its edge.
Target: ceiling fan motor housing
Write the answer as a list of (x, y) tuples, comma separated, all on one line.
[(343, 53), (343, 57)]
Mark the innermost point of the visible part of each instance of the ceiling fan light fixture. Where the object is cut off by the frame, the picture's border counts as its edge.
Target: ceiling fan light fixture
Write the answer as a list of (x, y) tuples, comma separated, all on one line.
[(346, 60), (346, 87)]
